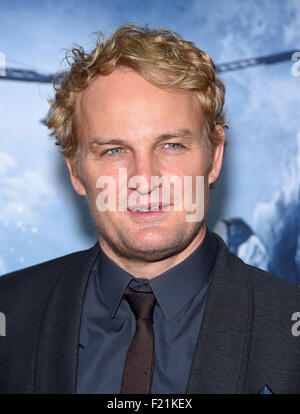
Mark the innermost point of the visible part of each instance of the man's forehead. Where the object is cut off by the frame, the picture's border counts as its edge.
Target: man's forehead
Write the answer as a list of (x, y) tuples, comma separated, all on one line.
[(126, 83), (140, 107)]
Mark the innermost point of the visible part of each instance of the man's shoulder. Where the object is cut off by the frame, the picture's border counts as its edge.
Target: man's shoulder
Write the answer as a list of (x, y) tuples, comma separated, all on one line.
[(44, 272), (272, 294), (53, 285), (265, 285)]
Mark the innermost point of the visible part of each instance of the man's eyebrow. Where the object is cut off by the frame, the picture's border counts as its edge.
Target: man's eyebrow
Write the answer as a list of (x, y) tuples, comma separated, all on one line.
[(179, 133), (105, 141)]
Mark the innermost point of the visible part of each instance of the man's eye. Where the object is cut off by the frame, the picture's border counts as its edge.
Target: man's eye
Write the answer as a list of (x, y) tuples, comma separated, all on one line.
[(113, 151), (174, 145)]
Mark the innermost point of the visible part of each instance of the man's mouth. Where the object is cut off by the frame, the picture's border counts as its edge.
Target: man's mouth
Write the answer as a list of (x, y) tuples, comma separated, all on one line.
[(150, 207), (150, 210)]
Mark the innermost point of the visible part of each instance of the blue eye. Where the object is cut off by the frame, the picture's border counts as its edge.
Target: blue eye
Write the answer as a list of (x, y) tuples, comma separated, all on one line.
[(173, 143), (113, 151)]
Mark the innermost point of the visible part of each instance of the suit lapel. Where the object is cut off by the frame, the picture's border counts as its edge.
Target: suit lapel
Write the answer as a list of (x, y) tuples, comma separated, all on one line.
[(220, 360), (56, 364)]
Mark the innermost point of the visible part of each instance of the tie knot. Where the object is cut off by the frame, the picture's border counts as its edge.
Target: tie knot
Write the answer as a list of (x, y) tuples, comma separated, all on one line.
[(141, 303)]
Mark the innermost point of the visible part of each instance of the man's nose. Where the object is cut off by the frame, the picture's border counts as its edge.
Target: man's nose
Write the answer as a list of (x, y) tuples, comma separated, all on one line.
[(141, 173)]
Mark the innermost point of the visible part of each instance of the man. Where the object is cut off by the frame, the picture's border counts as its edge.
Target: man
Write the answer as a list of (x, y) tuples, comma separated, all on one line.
[(159, 304)]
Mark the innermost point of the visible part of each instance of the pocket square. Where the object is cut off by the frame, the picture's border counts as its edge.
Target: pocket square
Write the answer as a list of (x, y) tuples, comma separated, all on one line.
[(265, 390)]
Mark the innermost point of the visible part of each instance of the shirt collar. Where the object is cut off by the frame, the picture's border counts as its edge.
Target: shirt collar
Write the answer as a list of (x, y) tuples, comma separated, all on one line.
[(112, 281), (173, 289), (176, 287)]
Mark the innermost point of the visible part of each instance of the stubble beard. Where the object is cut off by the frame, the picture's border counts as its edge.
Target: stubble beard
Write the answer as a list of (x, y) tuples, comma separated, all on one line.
[(126, 247), (128, 250)]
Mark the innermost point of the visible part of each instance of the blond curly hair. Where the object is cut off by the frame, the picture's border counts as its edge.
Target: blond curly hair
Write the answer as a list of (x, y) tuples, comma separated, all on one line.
[(161, 56)]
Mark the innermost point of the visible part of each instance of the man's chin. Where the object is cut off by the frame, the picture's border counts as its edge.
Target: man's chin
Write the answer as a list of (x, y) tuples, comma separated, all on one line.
[(150, 253), (149, 246), (146, 250)]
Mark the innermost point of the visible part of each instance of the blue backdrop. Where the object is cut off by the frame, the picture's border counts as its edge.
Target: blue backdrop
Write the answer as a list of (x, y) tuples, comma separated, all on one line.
[(256, 204)]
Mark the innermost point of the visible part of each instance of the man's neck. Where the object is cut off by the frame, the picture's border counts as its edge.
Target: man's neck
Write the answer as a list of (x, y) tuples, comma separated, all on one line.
[(149, 270)]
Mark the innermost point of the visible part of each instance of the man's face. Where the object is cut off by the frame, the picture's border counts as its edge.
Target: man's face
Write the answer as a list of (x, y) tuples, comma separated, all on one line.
[(126, 122)]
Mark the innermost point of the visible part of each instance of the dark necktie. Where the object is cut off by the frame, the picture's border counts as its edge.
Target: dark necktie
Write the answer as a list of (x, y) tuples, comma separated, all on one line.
[(138, 369)]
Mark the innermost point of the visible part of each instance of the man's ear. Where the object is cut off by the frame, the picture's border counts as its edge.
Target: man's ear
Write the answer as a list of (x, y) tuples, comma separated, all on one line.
[(217, 155), (75, 180)]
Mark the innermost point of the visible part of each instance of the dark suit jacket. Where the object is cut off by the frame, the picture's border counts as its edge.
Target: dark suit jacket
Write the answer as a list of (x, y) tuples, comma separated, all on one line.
[(245, 341)]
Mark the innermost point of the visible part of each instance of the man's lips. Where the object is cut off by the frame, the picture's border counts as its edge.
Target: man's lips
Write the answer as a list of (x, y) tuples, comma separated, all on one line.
[(150, 206), (161, 209)]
